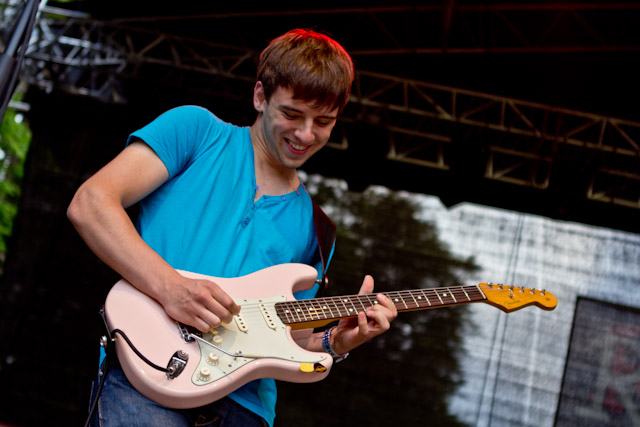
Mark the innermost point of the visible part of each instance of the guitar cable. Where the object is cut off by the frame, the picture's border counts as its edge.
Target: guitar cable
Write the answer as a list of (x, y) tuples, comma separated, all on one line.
[(135, 350), (103, 372), (104, 369)]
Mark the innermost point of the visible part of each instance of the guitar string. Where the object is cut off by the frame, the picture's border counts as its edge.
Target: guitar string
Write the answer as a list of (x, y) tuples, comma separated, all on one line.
[(337, 307), (316, 309), (447, 295)]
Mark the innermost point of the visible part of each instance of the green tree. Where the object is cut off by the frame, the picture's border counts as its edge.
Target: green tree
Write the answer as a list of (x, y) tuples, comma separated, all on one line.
[(403, 377), (15, 137)]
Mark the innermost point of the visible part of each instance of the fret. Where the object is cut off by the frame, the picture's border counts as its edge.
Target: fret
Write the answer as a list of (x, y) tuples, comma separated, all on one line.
[(373, 300), (290, 313), (312, 309), (364, 307), (417, 299), (298, 311), (422, 298), (340, 314), (294, 311), (434, 300), (282, 310), (325, 307), (397, 299), (473, 294), (347, 311), (286, 308), (302, 305), (353, 310), (404, 301), (339, 310), (435, 291), (414, 299), (320, 309), (452, 296), (424, 294), (408, 300), (465, 293)]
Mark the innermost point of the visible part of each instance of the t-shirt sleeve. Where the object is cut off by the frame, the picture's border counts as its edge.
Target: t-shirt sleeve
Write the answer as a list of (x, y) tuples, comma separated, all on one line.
[(178, 135)]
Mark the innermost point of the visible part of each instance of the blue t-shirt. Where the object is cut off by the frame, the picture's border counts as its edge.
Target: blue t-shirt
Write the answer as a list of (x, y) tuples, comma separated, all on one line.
[(204, 218)]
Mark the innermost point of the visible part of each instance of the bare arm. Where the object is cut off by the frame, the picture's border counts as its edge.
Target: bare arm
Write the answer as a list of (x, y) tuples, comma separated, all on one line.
[(97, 211)]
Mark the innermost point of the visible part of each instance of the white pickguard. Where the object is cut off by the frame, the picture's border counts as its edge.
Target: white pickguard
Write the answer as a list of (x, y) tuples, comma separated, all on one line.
[(256, 334)]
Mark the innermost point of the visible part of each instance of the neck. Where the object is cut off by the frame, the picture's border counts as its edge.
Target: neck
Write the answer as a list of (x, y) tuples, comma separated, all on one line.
[(272, 177), (321, 311)]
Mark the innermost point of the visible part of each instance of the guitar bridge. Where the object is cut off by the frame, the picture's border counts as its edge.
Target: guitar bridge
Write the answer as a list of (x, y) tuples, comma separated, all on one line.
[(187, 332)]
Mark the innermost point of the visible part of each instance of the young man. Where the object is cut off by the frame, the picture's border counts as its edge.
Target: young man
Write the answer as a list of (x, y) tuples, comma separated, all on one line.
[(223, 201)]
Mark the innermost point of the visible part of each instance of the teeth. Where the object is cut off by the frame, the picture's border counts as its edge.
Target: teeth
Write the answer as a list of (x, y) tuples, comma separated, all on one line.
[(296, 146)]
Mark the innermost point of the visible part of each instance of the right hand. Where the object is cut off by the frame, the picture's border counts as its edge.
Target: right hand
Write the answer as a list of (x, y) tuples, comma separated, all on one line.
[(200, 303)]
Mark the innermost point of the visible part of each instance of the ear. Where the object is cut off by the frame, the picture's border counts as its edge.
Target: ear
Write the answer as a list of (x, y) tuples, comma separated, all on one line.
[(259, 98)]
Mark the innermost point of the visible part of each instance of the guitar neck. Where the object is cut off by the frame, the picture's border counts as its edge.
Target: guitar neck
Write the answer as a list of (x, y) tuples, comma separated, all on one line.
[(318, 312)]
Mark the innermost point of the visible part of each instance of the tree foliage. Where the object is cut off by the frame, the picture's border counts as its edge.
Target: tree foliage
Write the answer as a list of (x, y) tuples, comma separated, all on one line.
[(15, 137), (403, 377)]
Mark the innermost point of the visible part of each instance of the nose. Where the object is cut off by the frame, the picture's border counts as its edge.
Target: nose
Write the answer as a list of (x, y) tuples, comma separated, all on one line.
[(305, 132)]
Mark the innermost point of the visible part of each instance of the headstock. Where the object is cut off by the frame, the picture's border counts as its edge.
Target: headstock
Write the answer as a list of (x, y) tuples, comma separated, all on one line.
[(512, 298)]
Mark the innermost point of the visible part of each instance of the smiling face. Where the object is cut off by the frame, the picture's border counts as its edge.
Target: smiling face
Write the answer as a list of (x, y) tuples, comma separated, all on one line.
[(289, 131)]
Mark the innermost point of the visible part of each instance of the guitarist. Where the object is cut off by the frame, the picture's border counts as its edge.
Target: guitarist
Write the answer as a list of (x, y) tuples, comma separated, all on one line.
[(224, 201)]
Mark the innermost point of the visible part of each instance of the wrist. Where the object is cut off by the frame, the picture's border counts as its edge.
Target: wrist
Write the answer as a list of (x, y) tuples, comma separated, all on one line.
[(329, 348)]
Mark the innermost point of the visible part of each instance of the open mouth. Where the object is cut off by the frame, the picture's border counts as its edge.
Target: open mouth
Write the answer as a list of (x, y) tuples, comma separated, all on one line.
[(297, 148)]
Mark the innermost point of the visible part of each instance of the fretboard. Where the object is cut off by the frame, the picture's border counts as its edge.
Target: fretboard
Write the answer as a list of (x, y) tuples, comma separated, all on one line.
[(327, 309)]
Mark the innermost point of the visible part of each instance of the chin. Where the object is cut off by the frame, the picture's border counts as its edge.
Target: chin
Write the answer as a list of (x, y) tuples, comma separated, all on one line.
[(294, 165)]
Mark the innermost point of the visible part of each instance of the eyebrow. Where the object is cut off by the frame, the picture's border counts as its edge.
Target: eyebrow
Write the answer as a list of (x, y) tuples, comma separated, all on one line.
[(295, 110)]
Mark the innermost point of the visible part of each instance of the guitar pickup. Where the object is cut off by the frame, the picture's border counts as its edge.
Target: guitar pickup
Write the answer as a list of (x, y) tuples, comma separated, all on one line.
[(267, 316), (240, 323)]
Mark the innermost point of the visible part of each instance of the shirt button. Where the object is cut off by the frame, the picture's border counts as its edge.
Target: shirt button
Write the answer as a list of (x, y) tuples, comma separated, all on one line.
[(246, 221)]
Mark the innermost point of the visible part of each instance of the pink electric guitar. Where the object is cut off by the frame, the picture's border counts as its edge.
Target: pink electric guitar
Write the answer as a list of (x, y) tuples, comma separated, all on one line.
[(185, 368)]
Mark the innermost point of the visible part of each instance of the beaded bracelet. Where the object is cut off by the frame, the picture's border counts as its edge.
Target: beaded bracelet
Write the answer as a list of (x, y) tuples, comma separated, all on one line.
[(326, 345)]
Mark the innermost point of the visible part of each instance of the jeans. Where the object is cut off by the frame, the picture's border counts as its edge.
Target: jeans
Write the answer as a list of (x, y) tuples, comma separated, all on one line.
[(120, 404)]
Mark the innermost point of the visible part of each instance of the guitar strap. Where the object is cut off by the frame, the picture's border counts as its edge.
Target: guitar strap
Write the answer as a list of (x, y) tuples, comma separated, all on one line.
[(326, 234)]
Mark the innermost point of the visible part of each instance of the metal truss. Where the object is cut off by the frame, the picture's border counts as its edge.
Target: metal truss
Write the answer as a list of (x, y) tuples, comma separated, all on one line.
[(458, 27), (524, 143), (71, 50), (449, 27)]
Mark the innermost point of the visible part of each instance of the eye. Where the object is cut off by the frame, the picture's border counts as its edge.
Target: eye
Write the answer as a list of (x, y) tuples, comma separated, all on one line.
[(325, 121), (289, 115)]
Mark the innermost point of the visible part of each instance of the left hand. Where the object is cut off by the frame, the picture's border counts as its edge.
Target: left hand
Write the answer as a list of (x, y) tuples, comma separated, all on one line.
[(350, 333)]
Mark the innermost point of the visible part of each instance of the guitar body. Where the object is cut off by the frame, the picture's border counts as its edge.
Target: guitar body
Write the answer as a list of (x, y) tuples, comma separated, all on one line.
[(257, 344)]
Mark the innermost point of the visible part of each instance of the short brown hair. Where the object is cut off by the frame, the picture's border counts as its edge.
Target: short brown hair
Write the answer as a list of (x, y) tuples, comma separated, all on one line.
[(314, 66)]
